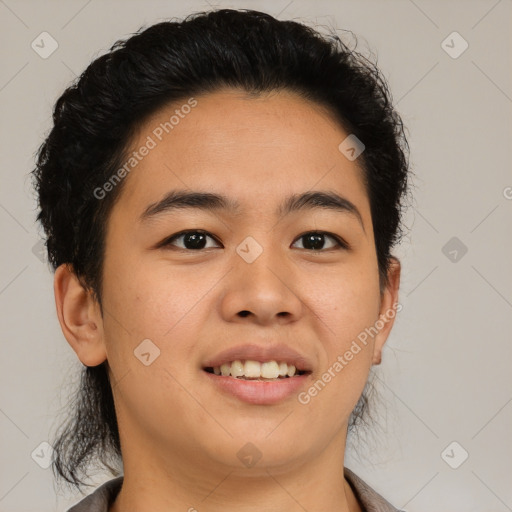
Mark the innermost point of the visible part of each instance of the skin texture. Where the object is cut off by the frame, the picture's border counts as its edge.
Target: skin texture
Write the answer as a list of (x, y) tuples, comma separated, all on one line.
[(179, 435)]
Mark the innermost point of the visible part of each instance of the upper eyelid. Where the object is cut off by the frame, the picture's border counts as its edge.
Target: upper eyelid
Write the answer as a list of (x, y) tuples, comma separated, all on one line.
[(339, 241), (186, 232)]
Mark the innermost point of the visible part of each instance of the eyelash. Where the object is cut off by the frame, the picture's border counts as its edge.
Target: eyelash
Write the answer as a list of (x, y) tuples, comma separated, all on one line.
[(341, 244)]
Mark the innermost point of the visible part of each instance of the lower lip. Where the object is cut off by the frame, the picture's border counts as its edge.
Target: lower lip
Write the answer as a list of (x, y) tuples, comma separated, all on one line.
[(258, 392)]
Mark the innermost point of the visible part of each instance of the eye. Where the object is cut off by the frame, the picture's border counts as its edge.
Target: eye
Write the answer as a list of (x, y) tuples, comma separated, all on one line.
[(190, 240), (196, 240), (315, 241)]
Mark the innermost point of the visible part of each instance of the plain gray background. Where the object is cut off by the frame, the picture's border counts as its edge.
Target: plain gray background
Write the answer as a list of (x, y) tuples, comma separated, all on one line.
[(445, 375)]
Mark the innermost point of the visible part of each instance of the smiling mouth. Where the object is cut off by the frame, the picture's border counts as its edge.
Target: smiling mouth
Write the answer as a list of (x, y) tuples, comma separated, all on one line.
[(256, 371)]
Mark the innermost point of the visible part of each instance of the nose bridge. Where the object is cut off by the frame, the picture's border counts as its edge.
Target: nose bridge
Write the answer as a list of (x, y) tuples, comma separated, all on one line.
[(261, 285), (260, 265)]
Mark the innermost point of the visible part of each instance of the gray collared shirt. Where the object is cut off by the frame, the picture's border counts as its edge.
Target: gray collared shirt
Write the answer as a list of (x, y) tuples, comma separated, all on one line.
[(101, 499)]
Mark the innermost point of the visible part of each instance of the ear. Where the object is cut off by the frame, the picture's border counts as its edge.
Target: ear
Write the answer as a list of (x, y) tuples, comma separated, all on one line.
[(79, 316), (389, 306)]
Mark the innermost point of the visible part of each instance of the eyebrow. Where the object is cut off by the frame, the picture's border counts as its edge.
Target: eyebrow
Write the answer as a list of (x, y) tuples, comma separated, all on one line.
[(184, 199)]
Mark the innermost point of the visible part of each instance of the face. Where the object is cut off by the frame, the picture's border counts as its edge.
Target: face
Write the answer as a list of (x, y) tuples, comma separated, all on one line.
[(253, 275)]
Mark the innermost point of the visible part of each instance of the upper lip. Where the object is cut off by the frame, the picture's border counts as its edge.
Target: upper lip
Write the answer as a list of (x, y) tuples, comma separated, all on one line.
[(279, 353)]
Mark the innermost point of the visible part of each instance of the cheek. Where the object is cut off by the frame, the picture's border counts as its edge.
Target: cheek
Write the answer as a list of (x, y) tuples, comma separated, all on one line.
[(157, 303), (168, 309), (347, 301), (347, 304)]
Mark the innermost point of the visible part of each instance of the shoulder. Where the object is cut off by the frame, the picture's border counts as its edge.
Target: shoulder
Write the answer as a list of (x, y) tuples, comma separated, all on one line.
[(101, 498), (370, 499)]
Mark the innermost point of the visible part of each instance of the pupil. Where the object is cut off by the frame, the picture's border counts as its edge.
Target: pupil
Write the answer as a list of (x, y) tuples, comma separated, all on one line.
[(194, 240), (315, 241)]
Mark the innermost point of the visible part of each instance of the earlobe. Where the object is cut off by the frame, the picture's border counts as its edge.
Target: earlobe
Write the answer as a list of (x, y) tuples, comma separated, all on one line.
[(79, 317), (388, 309)]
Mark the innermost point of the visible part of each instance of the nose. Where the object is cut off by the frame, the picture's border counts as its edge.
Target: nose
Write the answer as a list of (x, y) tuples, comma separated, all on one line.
[(263, 292)]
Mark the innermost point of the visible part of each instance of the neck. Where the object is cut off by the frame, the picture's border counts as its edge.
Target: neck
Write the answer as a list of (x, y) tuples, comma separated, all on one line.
[(177, 482)]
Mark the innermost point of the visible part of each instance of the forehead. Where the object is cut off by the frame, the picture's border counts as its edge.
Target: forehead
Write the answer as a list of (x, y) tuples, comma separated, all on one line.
[(255, 149)]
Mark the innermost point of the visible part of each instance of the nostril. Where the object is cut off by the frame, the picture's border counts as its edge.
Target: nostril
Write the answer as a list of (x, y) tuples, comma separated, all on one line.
[(244, 313)]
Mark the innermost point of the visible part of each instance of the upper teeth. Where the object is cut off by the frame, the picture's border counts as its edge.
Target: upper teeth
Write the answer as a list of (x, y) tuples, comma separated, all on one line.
[(255, 369)]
